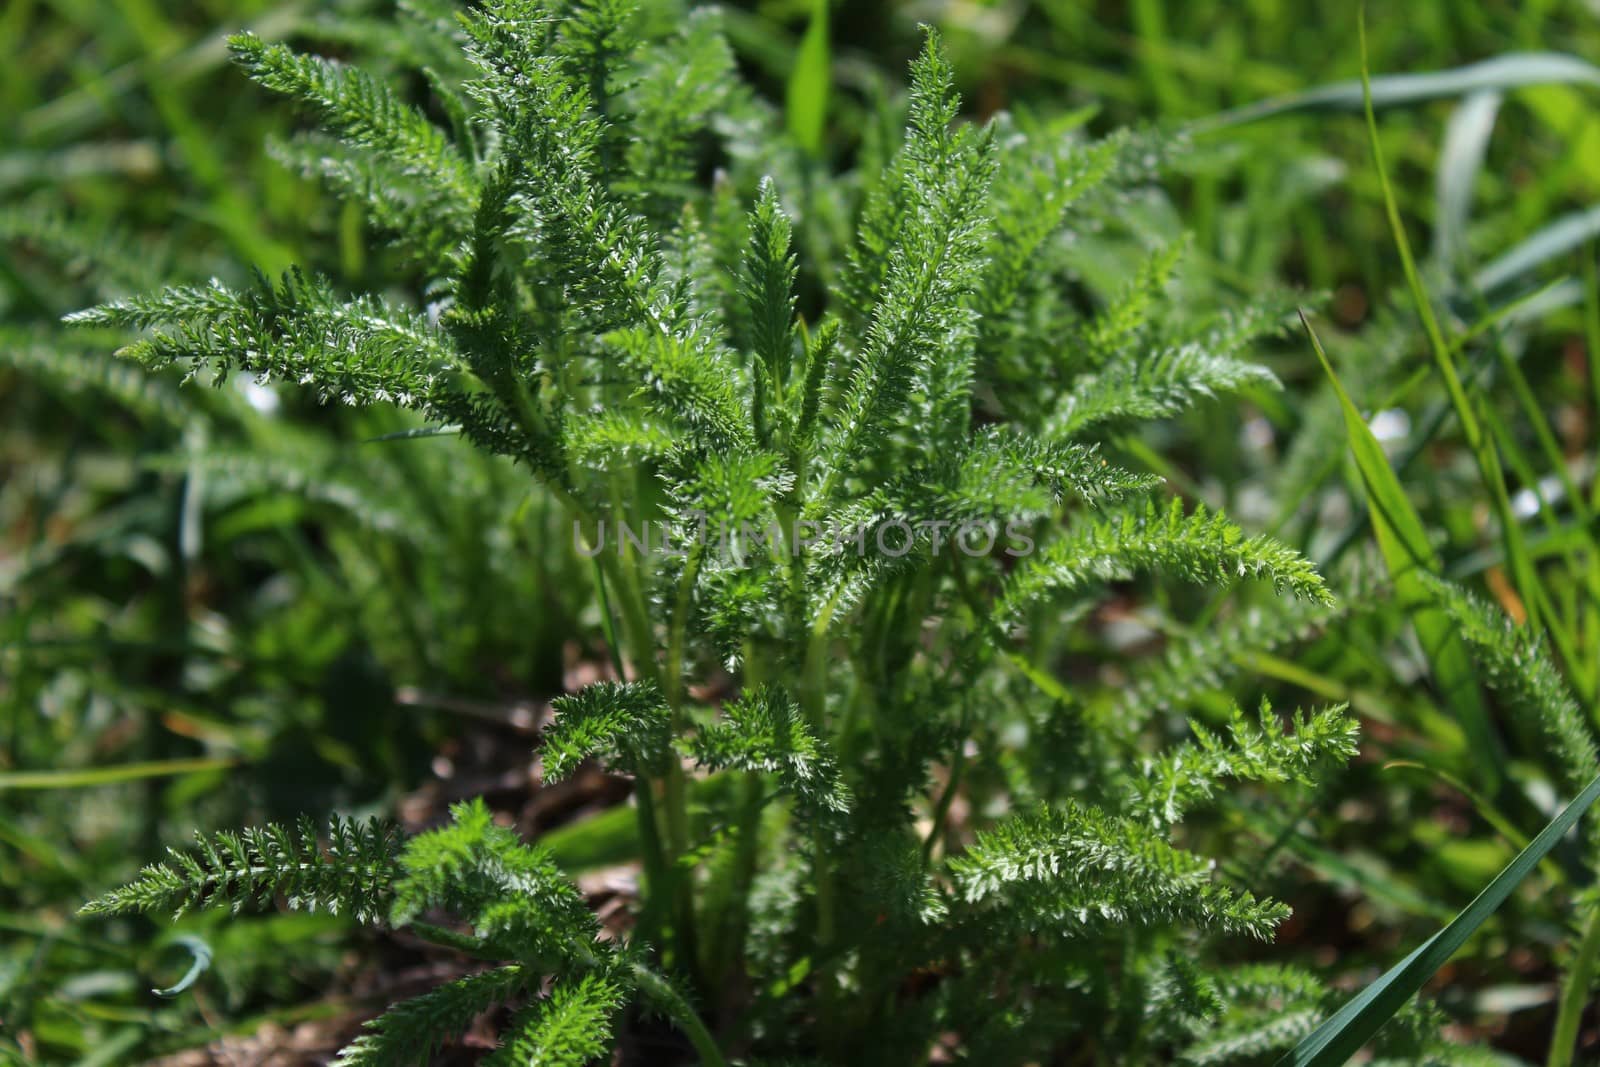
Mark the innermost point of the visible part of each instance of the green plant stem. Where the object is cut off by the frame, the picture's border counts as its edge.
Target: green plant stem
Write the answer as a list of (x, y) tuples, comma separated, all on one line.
[(670, 885), (674, 1007), (941, 810), (747, 848), (958, 765), (656, 876), (675, 794), (674, 799), (1575, 997), (813, 688), (624, 570), (677, 634), (438, 935), (1580, 979), (666, 884), (730, 950), (606, 626), (813, 682)]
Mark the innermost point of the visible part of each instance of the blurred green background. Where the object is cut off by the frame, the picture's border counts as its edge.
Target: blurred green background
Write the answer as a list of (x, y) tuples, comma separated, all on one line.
[(223, 605)]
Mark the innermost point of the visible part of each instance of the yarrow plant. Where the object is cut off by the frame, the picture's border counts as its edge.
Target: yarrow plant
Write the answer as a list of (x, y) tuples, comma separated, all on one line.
[(606, 233)]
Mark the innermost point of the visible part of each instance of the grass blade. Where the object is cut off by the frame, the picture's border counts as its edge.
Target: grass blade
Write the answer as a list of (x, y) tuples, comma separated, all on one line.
[(807, 99), (1515, 70), (1523, 573), (1558, 238), (1406, 552), (1575, 997), (1466, 138), (122, 772), (1344, 1032)]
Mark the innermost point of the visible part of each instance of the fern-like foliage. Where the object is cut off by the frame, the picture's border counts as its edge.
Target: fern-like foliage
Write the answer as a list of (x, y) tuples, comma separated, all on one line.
[(1268, 1008), (932, 223), (1154, 388), (357, 352), (1209, 659), (765, 732), (569, 1028), (1263, 752), (108, 259), (76, 373), (362, 111), (823, 489), (1075, 867), (1514, 661), (1199, 546), (513, 896), (352, 873), (411, 1031), (626, 723)]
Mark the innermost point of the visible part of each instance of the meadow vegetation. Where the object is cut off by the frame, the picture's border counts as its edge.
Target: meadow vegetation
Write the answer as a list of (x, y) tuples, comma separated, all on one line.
[(1131, 590)]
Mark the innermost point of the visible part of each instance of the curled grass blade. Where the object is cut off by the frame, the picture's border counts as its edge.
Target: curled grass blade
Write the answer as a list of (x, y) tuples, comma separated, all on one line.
[(1515, 70)]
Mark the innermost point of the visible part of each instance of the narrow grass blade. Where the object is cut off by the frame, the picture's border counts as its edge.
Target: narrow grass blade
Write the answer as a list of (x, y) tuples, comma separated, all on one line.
[(123, 772), (1371, 881), (68, 116), (1406, 552), (226, 210), (1514, 70), (1523, 573), (807, 99), (1481, 804), (1558, 238), (1575, 997), (1344, 1032)]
